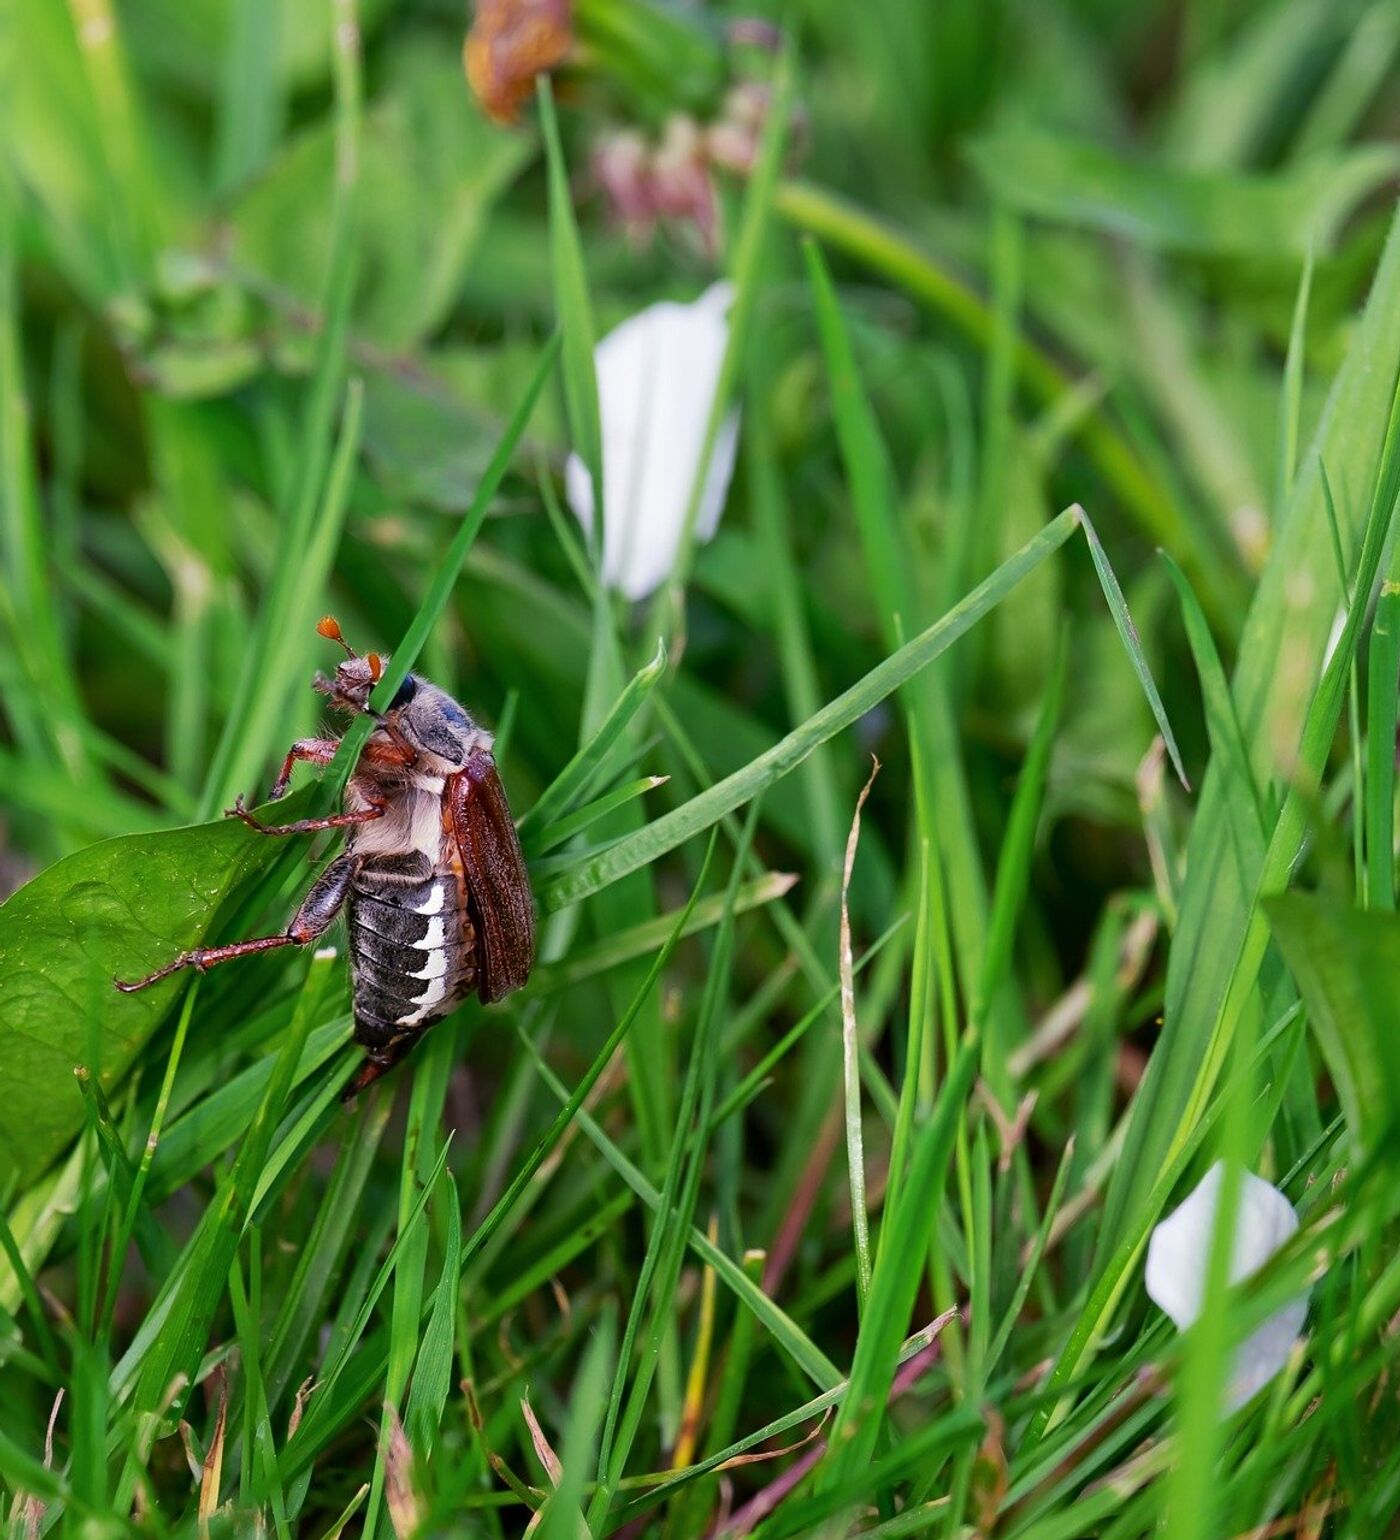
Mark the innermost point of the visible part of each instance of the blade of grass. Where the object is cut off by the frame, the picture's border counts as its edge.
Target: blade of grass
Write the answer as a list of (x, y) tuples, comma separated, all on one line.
[(427, 1097), (859, 235), (898, 1271), (673, 828), (574, 1101), (273, 657), (324, 1408), (1013, 880), (805, 1353), (901, 608), (1291, 400), (561, 1519), (177, 1348), (1277, 671), (661, 1266), (575, 314), (591, 812), (792, 634), (506, 1204), (745, 272), (439, 590), (572, 783), (850, 1041)]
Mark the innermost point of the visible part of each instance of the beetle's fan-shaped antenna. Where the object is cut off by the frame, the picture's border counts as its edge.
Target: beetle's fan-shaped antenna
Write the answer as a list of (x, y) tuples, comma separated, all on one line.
[(329, 627)]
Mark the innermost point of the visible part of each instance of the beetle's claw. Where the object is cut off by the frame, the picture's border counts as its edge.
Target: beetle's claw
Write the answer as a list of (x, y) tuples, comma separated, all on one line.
[(240, 810)]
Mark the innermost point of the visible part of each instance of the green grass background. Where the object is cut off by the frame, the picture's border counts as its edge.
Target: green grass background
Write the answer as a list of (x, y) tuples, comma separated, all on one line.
[(1066, 339)]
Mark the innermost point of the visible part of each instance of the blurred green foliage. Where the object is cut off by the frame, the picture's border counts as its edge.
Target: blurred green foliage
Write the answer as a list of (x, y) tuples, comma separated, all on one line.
[(271, 286)]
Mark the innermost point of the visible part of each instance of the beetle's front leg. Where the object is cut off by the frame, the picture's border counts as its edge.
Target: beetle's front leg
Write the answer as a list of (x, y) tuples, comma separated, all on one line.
[(319, 907), (312, 751)]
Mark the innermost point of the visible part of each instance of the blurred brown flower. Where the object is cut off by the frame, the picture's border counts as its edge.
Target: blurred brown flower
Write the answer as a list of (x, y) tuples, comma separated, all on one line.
[(511, 42)]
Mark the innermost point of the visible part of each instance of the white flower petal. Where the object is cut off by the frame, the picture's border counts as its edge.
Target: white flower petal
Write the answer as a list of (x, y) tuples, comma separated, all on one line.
[(1264, 1353), (1178, 1256), (657, 376)]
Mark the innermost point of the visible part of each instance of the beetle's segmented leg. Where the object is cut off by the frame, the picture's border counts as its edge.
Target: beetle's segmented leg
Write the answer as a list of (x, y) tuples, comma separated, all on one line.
[(314, 751), (387, 755), (380, 1063), (306, 825), (205, 957), (396, 737), (369, 1071), (319, 907)]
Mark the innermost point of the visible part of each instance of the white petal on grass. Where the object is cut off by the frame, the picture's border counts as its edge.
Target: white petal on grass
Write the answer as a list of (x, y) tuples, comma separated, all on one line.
[(1178, 1256), (657, 377)]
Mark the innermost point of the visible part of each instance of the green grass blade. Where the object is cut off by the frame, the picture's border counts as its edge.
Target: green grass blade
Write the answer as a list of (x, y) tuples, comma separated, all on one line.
[(574, 780), (679, 1192), (574, 310), (898, 1271), (803, 1351), (444, 579), (673, 828), (1127, 632), (1270, 702), (1291, 400)]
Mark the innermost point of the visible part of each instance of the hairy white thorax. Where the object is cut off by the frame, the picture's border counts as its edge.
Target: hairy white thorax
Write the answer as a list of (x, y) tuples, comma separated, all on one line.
[(411, 821)]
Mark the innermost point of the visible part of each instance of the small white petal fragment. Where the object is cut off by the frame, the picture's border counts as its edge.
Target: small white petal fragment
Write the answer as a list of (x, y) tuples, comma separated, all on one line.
[(657, 377), (1178, 1256)]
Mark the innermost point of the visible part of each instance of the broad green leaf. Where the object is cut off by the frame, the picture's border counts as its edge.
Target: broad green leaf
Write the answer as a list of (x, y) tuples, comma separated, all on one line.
[(1226, 214), (1346, 962), (116, 909)]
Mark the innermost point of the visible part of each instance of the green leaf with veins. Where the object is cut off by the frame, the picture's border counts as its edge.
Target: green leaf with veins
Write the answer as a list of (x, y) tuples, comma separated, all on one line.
[(116, 909)]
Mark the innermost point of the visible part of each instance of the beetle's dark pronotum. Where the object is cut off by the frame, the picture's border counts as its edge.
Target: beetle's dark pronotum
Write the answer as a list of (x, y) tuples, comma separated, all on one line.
[(432, 881)]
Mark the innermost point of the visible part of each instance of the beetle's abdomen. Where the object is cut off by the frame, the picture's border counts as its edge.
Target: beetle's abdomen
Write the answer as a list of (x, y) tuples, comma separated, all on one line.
[(412, 947)]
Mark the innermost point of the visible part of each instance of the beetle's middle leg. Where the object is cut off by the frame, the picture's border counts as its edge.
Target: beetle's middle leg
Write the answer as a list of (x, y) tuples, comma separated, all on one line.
[(307, 825), (312, 919)]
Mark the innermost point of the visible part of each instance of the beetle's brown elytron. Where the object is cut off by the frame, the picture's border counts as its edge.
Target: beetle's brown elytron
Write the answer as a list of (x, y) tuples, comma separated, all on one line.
[(436, 897)]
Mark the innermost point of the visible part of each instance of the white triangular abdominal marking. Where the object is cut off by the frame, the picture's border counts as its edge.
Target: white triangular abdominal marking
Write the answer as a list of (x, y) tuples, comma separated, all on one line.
[(434, 968), (434, 939), (433, 995)]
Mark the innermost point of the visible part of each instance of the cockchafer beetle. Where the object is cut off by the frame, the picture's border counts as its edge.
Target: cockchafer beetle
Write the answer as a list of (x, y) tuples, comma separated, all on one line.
[(436, 896)]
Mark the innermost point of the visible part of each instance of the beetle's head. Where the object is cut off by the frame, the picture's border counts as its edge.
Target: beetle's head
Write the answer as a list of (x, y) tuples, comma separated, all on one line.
[(354, 678)]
